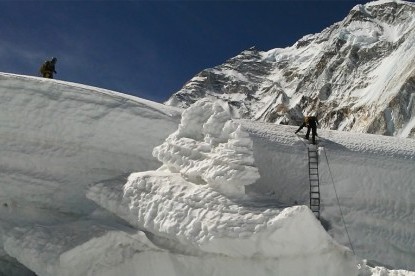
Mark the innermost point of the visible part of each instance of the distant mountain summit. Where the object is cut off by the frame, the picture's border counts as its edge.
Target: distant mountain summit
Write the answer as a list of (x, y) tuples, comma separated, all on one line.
[(358, 75)]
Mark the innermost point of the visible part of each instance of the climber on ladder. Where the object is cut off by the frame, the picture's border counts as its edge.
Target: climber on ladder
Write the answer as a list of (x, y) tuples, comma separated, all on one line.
[(311, 123)]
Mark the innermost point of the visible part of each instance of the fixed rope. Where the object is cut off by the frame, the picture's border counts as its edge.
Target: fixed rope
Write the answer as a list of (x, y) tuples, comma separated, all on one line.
[(338, 201)]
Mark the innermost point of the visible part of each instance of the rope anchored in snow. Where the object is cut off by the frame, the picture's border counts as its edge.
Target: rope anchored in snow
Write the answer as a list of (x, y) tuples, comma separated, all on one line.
[(338, 201)]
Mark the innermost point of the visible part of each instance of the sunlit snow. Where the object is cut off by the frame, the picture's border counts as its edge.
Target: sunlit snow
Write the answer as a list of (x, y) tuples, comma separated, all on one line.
[(82, 194)]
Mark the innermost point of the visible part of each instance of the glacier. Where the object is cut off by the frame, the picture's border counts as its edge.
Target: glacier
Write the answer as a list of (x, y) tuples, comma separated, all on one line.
[(95, 182)]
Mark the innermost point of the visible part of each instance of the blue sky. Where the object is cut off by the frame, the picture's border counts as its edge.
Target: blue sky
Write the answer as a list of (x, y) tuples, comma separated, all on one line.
[(150, 48)]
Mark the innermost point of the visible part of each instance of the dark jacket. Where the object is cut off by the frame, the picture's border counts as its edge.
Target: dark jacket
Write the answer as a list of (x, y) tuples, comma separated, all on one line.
[(310, 122), (48, 67)]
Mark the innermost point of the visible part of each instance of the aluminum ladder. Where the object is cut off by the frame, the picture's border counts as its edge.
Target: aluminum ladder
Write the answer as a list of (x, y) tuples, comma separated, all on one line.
[(314, 180)]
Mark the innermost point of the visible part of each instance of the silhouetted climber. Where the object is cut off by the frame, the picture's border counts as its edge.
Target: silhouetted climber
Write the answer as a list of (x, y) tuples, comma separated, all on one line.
[(48, 68), (311, 123)]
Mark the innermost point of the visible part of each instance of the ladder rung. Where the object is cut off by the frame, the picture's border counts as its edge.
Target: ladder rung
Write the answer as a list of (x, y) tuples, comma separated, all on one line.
[(314, 181)]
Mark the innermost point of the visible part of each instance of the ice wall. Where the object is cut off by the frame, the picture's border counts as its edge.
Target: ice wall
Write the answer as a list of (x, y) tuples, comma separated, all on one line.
[(56, 138), (374, 177)]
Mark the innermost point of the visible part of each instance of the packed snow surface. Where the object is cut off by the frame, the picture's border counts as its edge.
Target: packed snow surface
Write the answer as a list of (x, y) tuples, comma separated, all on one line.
[(68, 147)]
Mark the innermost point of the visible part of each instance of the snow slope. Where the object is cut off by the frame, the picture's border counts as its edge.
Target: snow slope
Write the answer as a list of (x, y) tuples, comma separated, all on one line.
[(58, 137), (64, 144)]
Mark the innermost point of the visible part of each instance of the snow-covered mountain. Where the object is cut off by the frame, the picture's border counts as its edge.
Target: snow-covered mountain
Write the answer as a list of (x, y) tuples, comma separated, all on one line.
[(95, 182), (358, 75)]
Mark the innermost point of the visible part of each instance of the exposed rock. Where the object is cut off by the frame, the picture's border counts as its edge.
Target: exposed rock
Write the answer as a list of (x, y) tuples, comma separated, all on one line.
[(358, 74)]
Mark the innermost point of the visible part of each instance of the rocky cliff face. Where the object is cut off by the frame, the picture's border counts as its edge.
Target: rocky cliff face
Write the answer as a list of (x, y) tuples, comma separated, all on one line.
[(358, 75)]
